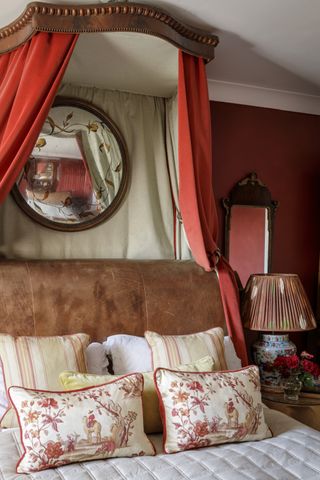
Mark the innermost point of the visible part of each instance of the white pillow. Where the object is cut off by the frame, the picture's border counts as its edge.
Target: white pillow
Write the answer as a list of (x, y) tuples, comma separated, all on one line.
[(133, 354), (97, 361), (129, 354), (233, 362)]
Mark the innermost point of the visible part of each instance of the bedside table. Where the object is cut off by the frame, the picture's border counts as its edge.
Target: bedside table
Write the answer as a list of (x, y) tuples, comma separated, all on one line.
[(306, 410)]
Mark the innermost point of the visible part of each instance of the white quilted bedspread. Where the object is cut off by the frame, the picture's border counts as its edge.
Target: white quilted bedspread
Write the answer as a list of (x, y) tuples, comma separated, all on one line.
[(293, 453)]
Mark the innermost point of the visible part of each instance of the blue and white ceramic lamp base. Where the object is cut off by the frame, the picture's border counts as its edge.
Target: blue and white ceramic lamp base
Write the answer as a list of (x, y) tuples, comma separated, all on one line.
[(265, 351)]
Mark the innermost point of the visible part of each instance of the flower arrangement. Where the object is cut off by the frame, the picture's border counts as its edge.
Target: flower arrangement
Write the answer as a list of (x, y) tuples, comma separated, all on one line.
[(302, 366)]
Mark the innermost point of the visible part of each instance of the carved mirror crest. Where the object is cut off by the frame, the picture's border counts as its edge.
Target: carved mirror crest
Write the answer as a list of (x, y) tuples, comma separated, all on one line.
[(77, 174), (249, 220)]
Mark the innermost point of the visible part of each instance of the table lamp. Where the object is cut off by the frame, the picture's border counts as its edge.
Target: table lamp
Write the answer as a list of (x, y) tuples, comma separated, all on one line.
[(275, 303)]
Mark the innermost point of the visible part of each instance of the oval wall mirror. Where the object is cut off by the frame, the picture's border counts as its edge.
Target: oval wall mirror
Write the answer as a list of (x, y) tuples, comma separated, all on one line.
[(77, 174)]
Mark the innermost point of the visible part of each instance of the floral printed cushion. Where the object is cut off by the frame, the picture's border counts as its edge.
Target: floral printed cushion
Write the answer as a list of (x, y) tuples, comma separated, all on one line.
[(151, 415), (35, 362), (171, 350), (58, 428), (202, 409)]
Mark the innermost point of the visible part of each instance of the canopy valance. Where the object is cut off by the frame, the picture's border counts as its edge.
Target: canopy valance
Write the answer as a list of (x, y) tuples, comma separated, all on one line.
[(107, 17)]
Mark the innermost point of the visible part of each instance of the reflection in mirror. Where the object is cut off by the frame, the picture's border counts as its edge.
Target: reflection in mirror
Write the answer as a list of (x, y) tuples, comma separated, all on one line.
[(248, 242), (249, 227), (76, 175)]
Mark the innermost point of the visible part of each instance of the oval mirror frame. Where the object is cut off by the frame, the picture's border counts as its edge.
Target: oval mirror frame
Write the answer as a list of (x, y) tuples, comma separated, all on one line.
[(123, 185)]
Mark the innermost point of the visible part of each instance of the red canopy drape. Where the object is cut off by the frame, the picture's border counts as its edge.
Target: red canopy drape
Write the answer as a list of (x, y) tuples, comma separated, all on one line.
[(29, 79), (197, 203)]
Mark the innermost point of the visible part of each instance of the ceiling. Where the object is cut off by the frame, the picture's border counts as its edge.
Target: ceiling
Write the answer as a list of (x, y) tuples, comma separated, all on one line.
[(268, 50)]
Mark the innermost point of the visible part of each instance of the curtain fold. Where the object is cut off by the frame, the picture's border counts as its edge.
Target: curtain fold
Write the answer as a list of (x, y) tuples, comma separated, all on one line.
[(182, 250), (102, 163), (196, 197), (29, 79)]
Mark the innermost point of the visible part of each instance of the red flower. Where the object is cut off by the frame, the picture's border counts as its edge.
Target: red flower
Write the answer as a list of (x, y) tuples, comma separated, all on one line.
[(54, 450), (195, 386), (292, 362), (289, 362), (310, 367), (201, 428), (31, 417), (48, 402), (280, 362), (180, 397)]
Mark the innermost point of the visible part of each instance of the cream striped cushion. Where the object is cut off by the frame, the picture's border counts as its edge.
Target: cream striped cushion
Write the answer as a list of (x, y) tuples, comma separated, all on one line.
[(36, 362), (168, 351)]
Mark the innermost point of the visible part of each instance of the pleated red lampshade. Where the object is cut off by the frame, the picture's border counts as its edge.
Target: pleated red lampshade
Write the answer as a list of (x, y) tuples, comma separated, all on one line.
[(276, 302)]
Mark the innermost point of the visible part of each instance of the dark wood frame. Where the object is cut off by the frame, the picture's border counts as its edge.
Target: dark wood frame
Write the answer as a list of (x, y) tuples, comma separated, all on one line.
[(250, 191), (106, 17), (113, 207)]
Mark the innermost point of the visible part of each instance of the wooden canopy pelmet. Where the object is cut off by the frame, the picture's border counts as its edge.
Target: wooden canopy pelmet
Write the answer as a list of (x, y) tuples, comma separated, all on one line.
[(107, 17)]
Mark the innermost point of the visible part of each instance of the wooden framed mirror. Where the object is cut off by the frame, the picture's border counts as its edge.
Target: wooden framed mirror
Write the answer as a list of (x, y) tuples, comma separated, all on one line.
[(249, 220), (77, 174)]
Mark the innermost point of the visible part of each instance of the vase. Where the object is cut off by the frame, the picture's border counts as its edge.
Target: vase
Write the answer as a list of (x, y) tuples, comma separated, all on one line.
[(265, 351), (292, 387)]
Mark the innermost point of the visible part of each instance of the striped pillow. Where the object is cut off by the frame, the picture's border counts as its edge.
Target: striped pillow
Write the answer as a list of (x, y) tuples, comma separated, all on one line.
[(168, 351), (36, 362)]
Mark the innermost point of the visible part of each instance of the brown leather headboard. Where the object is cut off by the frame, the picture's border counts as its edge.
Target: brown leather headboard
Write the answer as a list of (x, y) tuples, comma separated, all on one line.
[(104, 297)]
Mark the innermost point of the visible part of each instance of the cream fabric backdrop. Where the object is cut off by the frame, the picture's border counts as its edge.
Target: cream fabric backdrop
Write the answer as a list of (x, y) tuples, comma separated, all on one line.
[(143, 225), (182, 247)]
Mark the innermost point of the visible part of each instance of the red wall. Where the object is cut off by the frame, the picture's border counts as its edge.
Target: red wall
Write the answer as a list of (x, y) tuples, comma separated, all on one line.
[(283, 148)]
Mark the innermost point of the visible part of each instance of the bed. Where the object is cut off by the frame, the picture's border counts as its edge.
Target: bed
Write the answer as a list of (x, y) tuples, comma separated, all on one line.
[(111, 296)]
